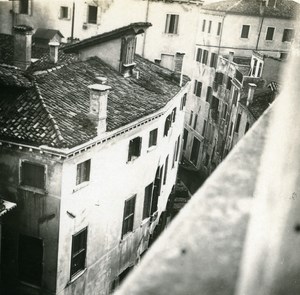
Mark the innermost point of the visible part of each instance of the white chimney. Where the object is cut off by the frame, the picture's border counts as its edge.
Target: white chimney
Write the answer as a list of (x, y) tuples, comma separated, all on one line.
[(98, 105), (53, 47), (231, 55), (251, 91), (22, 46)]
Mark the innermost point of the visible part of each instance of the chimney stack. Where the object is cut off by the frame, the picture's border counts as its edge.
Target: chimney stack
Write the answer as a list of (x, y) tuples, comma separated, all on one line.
[(231, 55), (98, 105), (22, 46), (251, 91), (53, 47)]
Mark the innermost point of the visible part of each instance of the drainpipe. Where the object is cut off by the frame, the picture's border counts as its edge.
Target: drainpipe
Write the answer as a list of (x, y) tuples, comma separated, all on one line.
[(145, 33), (262, 10), (221, 34), (73, 19)]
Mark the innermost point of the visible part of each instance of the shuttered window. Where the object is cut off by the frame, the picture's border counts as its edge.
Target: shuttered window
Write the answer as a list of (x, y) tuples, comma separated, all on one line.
[(128, 216), (83, 172), (33, 175), (134, 148), (172, 24)]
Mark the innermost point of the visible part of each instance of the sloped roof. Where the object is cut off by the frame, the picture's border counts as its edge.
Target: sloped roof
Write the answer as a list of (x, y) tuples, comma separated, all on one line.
[(135, 28), (284, 8), (58, 102), (47, 34)]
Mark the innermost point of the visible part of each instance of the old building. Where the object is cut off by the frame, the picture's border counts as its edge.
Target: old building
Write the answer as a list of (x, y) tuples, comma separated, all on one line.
[(90, 144), (172, 34), (238, 28)]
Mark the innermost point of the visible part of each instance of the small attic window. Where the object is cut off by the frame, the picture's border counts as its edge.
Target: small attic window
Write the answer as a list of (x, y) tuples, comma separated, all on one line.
[(128, 50), (64, 12), (92, 14)]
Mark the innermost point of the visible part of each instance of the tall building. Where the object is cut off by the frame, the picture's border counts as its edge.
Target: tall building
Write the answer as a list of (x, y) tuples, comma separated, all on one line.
[(90, 144), (230, 28)]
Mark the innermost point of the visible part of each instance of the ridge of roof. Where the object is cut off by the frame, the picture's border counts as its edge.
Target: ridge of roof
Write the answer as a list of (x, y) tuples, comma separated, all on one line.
[(50, 117), (44, 33), (136, 28)]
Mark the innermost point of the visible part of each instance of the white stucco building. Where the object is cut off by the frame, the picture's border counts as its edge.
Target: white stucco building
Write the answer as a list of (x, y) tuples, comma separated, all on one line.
[(90, 146)]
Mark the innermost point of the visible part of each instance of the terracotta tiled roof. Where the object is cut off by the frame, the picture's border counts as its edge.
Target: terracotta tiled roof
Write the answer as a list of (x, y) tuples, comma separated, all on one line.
[(283, 9), (54, 110)]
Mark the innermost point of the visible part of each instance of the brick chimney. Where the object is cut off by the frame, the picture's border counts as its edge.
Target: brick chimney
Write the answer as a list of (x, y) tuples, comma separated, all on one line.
[(98, 105), (22, 46), (53, 47), (251, 91)]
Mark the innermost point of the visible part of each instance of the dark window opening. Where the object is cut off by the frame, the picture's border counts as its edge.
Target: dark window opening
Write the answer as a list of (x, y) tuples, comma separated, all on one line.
[(245, 31), (166, 170), (24, 6), (134, 148), (191, 118), (156, 189), (247, 127), (228, 86), (197, 88), (209, 94), (288, 35), (79, 244), (92, 14), (195, 122), (205, 57), (209, 26), (185, 138), (183, 102), (128, 216), (168, 124), (225, 110), (204, 128), (219, 29), (147, 200), (64, 12), (174, 115), (153, 137), (203, 25), (30, 260), (254, 67), (33, 175), (213, 60), (83, 172), (195, 151), (172, 24), (199, 54), (238, 121), (270, 33), (235, 96), (283, 55), (178, 148)]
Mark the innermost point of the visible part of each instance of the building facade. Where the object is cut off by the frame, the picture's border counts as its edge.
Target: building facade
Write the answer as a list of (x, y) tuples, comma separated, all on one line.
[(78, 128), (230, 28)]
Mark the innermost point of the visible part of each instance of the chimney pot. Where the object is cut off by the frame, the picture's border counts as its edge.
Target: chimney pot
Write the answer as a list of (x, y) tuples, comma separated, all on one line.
[(251, 91), (22, 46), (98, 105), (53, 46), (231, 55)]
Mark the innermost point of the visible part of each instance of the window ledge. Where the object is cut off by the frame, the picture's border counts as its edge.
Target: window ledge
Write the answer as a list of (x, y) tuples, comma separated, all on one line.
[(81, 186), (36, 190), (132, 159), (78, 275), (151, 148), (171, 34)]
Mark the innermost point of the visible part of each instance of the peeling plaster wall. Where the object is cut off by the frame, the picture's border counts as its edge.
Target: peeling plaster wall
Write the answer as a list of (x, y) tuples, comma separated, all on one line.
[(36, 215), (99, 205)]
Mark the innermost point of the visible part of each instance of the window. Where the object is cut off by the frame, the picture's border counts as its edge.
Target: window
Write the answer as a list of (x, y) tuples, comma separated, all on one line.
[(83, 172), (205, 57), (128, 50), (199, 54), (30, 260), (271, 3), (64, 12), (254, 67), (195, 121), (228, 85), (185, 138), (209, 26), (168, 124), (174, 154), (219, 29), (153, 137), (235, 96), (283, 55), (259, 69), (33, 175), (213, 60), (183, 102), (247, 127), (172, 24), (215, 103), (148, 201), (191, 118), (178, 147), (128, 216), (225, 110), (79, 243), (204, 128), (92, 14), (174, 115), (238, 121), (197, 88), (288, 35), (166, 170), (24, 6), (270, 33), (134, 148), (208, 94), (245, 31), (203, 25), (195, 151), (230, 129)]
